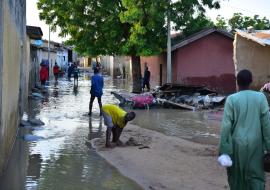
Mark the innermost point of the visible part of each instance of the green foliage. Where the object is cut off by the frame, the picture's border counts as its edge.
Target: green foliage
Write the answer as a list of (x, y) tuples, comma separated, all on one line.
[(221, 23), (238, 21), (123, 27), (197, 24)]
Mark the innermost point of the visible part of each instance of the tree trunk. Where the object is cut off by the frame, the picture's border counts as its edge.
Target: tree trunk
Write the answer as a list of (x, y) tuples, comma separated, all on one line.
[(136, 74)]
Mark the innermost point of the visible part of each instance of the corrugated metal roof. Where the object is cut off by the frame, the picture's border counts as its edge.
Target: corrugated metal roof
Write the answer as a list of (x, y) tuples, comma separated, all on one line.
[(260, 36)]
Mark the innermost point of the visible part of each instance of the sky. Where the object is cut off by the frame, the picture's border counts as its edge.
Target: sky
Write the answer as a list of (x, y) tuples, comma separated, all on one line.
[(228, 7)]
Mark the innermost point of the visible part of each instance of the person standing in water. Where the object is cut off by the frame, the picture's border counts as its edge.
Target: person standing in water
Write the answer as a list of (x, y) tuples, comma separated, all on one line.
[(56, 72), (146, 79), (43, 74), (76, 73), (97, 84)]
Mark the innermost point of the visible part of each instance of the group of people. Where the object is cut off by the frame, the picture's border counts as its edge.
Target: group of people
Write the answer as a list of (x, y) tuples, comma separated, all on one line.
[(115, 118), (73, 69), (44, 72), (245, 130)]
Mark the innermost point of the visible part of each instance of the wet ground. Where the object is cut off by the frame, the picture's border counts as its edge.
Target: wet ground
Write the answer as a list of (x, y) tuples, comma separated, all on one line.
[(64, 160)]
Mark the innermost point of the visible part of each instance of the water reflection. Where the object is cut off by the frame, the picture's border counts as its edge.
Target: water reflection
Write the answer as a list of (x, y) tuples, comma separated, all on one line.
[(15, 175), (75, 90), (62, 160), (34, 166), (95, 128), (193, 126)]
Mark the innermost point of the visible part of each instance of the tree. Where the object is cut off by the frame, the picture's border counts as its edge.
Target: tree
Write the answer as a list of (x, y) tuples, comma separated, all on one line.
[(221, 23), (197, 24), (121, 27), (238, 21)]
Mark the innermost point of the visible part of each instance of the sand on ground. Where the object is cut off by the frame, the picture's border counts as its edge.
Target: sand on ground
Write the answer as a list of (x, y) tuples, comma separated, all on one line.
[(158, 162)]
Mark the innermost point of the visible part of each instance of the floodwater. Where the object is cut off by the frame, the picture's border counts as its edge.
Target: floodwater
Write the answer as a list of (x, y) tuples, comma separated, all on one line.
[(62, 160), (201, 127)]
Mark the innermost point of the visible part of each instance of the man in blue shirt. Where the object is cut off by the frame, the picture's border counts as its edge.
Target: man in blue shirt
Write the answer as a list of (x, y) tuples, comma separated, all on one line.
[(97, 84)]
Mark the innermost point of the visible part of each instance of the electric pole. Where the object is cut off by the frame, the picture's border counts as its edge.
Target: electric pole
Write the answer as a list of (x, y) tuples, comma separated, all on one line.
[(169, 53)]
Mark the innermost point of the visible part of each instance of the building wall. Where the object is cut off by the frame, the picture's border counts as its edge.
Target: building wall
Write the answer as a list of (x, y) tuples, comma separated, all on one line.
[(12, 48), (154, 64), (25, 74), (85, 62), (207, 61), (106, 62), (117, 66), (34, 68), (53, 58), (254, 57), (62, 59), (121, 67)]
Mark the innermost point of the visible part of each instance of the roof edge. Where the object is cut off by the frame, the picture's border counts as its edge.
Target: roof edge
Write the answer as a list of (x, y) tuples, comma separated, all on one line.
[(200, 35)]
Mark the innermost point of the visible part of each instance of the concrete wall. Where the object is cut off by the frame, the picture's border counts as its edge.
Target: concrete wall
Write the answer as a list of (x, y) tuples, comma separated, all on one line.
[(207, 61), (34, 68), (41, 54), (12, 51), (117, 66), (62, 59), (85, 62), (158, 68), (254, 57), (121, 67), (106, 62)]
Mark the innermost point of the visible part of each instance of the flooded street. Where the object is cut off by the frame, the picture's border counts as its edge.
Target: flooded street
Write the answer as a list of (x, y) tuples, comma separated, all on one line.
[(63, 159), (202, 127)]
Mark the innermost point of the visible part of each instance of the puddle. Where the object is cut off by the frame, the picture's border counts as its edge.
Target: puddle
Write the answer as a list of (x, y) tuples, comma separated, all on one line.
[(193, 126)]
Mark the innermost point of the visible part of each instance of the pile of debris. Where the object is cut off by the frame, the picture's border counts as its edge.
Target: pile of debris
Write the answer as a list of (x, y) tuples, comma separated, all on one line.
[(173, 96), (126, 98), (188, 97)]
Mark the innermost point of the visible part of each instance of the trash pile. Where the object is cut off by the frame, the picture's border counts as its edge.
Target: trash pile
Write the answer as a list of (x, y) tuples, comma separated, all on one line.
[(173, 96), (188, 97), (140, 101)]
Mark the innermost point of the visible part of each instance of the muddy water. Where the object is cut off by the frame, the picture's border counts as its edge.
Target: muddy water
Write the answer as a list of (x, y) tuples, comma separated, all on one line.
[(63, 160), (201, 127)]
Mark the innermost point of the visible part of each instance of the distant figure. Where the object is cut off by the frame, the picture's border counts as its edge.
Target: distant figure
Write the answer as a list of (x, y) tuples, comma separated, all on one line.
[(146, 79), (56, 71), (76, 73), (70, 70), (98, 66), (97, 84), (245, 134), (266, 91), (43, 74), (115, 118)]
